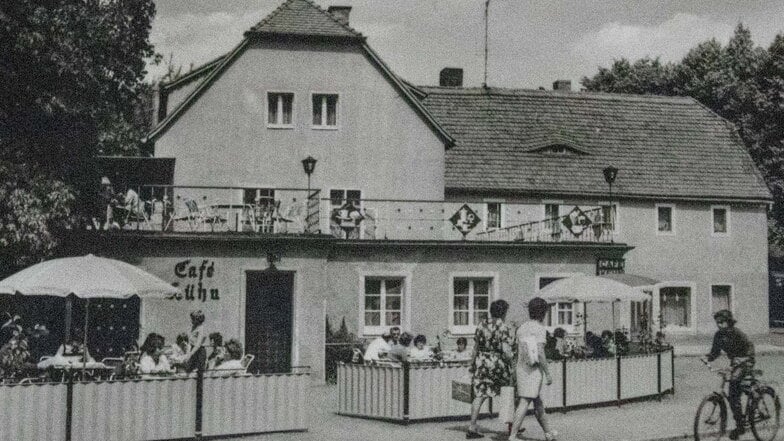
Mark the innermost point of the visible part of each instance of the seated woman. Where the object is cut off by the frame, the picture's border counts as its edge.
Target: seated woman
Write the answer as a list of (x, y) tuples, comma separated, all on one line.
[(152, 360), (233, 355), (218, 354), (608, 344), (420, 351), (178, 353), (400, 351), (462, 353)]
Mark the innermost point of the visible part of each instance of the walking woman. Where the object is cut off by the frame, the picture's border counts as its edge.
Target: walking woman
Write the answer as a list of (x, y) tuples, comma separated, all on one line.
[(531, 367), (492, 363)]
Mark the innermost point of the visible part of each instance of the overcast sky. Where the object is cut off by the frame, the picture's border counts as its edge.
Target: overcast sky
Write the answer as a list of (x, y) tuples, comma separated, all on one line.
[(531, 42)]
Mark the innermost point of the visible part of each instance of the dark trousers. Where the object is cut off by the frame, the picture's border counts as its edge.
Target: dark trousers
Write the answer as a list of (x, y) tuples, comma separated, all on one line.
[(740, 371), (197, 361)]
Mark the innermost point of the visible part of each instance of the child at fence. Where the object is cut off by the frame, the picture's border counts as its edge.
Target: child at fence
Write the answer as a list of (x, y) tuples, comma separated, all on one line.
[(197, 356)]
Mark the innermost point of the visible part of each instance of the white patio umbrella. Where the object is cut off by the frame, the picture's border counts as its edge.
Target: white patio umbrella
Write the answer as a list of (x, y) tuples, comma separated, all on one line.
[(596, 289), (86, 277)]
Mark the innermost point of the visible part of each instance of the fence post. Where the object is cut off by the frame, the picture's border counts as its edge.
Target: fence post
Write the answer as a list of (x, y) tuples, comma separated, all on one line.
[(406, 380), (618, 370), (199, 398), (563, 376), (672, 368), (658, 374), (68, 406)]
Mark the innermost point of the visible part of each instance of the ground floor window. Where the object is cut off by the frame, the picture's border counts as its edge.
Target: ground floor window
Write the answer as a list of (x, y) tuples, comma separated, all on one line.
[(640, 317), (383, 303), (675, 303), (721, 297), (561, 314), (470, 303)]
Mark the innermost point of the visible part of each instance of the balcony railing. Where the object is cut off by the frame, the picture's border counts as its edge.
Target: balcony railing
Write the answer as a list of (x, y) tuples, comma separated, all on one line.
[(183, 209)]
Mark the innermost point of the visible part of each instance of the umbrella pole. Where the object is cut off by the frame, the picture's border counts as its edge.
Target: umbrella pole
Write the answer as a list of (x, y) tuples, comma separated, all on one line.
[(615, 343), (84, 347), (68, 312), (585, 320)]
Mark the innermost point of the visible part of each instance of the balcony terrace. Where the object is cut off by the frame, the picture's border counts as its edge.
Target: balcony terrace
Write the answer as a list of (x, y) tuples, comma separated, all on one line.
[(291, 211)]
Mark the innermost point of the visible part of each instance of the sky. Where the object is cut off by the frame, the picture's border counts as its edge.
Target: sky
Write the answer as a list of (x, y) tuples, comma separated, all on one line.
[(531, 43)]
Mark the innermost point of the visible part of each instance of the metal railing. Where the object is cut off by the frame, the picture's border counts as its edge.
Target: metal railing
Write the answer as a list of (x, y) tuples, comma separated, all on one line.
[(192, 209)]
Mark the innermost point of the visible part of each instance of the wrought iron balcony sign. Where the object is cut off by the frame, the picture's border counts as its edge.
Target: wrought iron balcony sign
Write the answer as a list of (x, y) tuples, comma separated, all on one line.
[(576, 222)]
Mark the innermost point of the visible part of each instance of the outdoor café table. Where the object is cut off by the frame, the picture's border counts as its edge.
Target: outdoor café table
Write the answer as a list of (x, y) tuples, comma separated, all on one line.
[(57, 366)]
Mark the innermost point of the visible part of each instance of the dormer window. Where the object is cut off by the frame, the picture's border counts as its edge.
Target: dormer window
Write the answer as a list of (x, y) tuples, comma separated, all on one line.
[(556, 147), (556, 150)]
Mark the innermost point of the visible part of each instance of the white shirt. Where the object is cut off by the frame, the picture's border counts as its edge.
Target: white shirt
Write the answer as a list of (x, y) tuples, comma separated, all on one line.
[(148, 366), (530, 328), (231, 365), (420, 354), (375, 348)]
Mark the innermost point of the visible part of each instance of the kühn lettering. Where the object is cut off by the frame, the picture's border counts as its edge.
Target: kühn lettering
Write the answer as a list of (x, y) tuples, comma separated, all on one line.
[(193, 275)]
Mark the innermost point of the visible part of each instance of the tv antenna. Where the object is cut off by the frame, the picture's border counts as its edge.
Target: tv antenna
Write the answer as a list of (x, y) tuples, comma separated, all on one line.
[(487, 6)]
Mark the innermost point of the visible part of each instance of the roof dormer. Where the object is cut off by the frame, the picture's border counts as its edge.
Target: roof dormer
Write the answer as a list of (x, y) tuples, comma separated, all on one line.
[(555, 145)]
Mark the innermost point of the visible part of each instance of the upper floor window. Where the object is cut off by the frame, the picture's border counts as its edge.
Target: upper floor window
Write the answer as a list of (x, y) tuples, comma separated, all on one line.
[(721, 297), (665, 219), (259, 196), (609, 217), (493, 215), (325, 110), (338, 197), (721, 220), (280, 108), (470, 303), (551, 214)]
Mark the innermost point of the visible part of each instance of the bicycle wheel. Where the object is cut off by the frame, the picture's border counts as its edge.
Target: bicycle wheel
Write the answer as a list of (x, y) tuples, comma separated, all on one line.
[(711, 419), (764, 414)]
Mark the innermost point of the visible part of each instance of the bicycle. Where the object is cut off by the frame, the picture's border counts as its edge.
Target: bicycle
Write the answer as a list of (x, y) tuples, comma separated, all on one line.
[(762, 412)]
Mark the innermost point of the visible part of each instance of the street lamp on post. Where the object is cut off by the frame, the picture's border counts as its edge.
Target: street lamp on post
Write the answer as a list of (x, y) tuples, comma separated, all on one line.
[(309, 164), (610, 173)]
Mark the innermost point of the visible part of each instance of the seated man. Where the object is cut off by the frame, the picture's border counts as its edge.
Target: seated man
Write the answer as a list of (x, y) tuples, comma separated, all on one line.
[(378, 348), (234, 356), (400, 351)]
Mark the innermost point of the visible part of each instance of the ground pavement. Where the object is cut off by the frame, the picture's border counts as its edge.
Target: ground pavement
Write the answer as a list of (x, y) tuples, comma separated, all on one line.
[(668, 419)]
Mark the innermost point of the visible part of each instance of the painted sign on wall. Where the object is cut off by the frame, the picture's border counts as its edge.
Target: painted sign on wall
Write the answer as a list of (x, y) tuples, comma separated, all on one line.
[(194, 277), (607, 265)]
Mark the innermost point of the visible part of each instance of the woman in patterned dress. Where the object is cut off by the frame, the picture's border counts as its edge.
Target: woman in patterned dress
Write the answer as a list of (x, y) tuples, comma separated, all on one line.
[(494, 346)]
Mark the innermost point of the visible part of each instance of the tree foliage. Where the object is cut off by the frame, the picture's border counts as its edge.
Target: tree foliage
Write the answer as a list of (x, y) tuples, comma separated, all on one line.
[(71, 84), (740, 81)]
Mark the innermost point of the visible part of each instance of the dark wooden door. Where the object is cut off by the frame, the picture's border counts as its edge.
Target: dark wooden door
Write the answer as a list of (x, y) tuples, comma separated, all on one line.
[(269, 320)]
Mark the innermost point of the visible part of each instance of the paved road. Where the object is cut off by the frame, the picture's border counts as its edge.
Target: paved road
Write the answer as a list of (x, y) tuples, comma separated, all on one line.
[(669, 419)]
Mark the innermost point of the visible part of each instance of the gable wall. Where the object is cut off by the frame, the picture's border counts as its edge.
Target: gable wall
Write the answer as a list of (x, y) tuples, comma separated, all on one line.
[(382, 146)]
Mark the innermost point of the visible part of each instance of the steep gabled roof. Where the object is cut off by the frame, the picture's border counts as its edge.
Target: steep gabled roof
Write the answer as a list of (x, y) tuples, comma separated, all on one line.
[(669, 147), (305, 18), (301, 19)]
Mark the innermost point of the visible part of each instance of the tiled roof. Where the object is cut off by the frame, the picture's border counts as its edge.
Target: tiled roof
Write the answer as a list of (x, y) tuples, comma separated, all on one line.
[(663, 146), (305, 18)]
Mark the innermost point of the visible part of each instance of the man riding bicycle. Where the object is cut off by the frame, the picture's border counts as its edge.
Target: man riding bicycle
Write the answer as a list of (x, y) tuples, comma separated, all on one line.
[(740, 351)]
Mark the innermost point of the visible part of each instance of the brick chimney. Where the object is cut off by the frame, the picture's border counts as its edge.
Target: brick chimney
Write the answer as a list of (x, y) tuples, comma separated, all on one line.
[(562, 85), (340, 13), (451, 77)]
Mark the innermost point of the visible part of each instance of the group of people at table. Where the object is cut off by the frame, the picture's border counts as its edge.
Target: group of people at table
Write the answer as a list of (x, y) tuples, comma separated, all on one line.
[(397, 347), (154, 358)]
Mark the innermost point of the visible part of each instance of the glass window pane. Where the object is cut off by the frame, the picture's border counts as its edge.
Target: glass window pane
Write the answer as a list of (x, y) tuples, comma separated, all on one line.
[(336, 197), (394, 286), (721, 297), (354, 196), (393, 318), (719, 220), (493, 215), (272, 108), (480, 302), (481, 287), (393, 303), (372, 319), (461, 319), (372, 303), (288, 100), (372, 286), (665, 219), (479, 316), (332, 110), (317, 109), (461, 303), (461, 287)]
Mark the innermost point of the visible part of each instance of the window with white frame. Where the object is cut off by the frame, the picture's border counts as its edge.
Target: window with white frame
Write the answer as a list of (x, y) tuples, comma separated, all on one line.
[(721, 297), (383, 303), (720, 216), (665, 219), (560, 313), (493, 215), (280, 109), (325, 110), (338, 197), (676, 303), (470, 303), (609, 216)]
